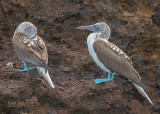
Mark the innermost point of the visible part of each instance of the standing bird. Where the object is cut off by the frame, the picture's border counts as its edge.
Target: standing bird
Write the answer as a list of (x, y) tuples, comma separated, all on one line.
[(110, 58), (30, 48)]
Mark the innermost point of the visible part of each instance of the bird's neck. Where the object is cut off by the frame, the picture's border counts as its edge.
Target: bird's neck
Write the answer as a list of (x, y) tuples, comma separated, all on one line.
[(92, 38), (102, 35)]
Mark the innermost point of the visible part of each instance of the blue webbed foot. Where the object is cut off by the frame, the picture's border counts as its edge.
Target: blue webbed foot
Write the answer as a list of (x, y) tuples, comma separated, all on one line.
[(110, 78), (26, 68), (23, 69), (97, 81)]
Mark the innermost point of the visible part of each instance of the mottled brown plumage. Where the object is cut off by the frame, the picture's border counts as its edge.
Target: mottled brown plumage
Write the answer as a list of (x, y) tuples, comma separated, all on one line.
[(29, 51)]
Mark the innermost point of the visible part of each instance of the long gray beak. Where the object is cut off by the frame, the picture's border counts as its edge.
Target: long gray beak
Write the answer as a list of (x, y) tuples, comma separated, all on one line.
[(89, 27)]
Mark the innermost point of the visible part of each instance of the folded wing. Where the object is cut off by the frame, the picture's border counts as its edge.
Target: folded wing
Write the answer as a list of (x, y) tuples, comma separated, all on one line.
[(30, 51), (115, 60)]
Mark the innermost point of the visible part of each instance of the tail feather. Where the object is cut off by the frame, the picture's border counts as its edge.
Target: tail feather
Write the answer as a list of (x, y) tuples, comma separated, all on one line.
[(142, 92), (47, 68), (45, 75), (146, 89)]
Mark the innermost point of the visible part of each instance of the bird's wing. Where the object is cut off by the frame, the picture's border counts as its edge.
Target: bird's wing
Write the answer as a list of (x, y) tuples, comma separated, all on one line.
[(115, 60), (34, 52)]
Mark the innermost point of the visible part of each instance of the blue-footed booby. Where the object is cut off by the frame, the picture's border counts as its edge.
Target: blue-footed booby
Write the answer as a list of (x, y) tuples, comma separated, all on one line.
[(30, 48), (110, 58)]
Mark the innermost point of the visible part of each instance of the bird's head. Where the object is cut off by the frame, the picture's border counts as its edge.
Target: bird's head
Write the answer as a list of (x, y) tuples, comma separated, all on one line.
[(100, 27), (28, 29)]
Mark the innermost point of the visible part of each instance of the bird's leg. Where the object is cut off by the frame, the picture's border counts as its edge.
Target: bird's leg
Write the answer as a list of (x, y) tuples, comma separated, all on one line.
[(113, 75), (26, 68), (97, 81), (31, 68)]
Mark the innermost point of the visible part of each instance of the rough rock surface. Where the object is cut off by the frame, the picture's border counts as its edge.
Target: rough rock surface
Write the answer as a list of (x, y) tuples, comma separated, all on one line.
[(135, 26)]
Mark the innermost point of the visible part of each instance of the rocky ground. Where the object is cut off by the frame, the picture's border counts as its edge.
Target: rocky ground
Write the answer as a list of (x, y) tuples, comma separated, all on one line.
[(135, 26)]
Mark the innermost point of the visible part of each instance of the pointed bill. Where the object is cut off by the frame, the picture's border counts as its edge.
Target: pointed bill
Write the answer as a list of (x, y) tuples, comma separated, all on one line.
[(89, 27)]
